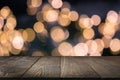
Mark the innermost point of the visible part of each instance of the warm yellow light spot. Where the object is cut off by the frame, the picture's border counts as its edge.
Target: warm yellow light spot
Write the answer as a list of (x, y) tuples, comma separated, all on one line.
[(88, 33), (115, 45), (73, 15), (66, 5), (95, 54), (5, 12), (81, 49), (100, 45), (96, 20), (108, 30), (112, 16), (64, 21), (15, 51), (1, 22), (3, 38), (57, 34), (32, 11), (85, 22), (65, 12), (1, 51), (38, 53), (51, 16), (65, 49), (11, 23), (34, 3), (46, 7), (106, 42), (28, 35), (56, 3), (92, 46), (39, 27), (39, 16)]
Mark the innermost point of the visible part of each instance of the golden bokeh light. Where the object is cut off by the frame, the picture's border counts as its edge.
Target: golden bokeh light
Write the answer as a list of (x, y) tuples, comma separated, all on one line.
[(92, 46), (73, 15), (1, 22), (28, 35), (95, 54), (88, 33), (63, 21), (57, 34), (56, 3), (106, 42), (5, 12), (32, 11), (65, 49), (115, 45), (11, 23), (34, 3), (18, 42), (96, 20), (39, 27), (100, 45), (51, 16), (85, 22), (112, 16), (39, 16), (81, 49)]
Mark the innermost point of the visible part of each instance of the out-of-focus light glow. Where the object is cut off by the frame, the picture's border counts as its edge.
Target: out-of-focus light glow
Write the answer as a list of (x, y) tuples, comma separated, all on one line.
[(1, 22), (100, 45), (18, 42), (92, 46), (57, 34), (85, 22), (95, 54), (34, 3), (88, 33), (39, 27), (65, 49), (11, 22), (73, 15), (56, 3), (81, 49), (28, 35), (96, 20), (32, 11), (66, 5), (112, 16), (115, 45), (5, 12), (64, 21), (51, 16), (106, 42), (39, 16)]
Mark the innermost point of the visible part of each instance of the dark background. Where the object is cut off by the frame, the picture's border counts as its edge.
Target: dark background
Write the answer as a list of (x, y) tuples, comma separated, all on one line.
[(89, 7)]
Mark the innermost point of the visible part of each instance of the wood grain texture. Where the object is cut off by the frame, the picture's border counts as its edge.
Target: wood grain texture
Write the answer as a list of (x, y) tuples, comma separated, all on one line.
[(15, 66), (105, 68), (76, 67), (45, 67)]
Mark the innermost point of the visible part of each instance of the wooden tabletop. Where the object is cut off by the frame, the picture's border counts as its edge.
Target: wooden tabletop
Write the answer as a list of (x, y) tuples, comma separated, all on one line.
[(78, 67)]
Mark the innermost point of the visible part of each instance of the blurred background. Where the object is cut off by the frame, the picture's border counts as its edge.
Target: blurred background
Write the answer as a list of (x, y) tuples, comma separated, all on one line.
[(88, 7)]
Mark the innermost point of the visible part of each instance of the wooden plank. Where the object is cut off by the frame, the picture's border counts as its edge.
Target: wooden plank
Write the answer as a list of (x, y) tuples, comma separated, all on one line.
[(76, 67), (15, 66), (45, 67), (104, 67)]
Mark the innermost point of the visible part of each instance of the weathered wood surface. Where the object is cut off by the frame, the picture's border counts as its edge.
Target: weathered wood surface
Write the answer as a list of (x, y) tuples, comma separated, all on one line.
[(82, 67)]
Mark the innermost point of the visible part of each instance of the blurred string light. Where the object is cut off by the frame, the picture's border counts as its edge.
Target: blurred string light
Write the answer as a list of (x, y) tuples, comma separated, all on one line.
[(53, 20)]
